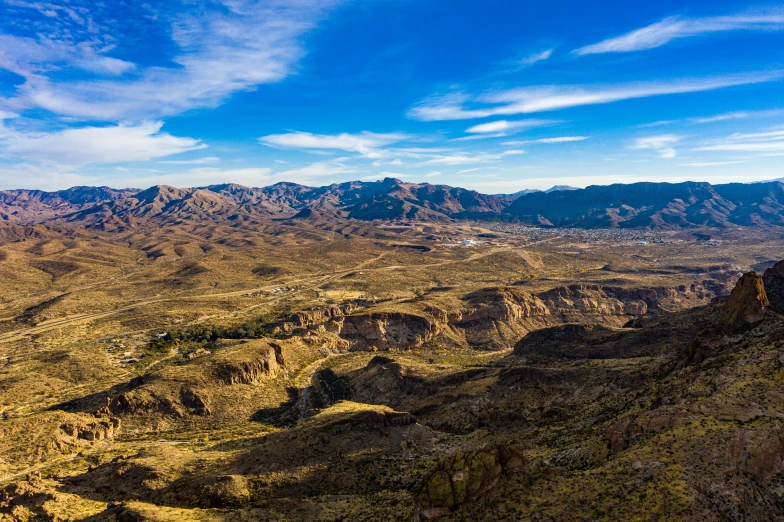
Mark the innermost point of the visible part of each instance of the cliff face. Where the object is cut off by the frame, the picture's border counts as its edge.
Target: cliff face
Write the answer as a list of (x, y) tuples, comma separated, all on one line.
[(260, 365), (493, 318), (605, 300), (498, 304), (385, 330), (319, 315)]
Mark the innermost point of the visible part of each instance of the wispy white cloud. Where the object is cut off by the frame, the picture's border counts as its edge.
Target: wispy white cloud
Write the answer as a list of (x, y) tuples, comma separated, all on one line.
[(462, 159), (662, 144), (317, 170), (717, 118), (536, 57), (769, 142), (727, 116), (526, 100), (709, 164), (86, 145), (30, 58), (25, 175), (562, 139), (365, 143), (503, 127), (381, 162), (669, 29), (198, 161), (557, 139), (482, 136), (514, 152), (218, 50), (29, 176), (200, 177)]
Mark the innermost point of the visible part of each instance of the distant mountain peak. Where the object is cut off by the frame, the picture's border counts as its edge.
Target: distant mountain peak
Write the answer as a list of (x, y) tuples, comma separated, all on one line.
[(557, 188)]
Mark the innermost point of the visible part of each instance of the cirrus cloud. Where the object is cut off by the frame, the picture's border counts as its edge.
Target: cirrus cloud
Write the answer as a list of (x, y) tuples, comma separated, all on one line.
[(504, 126), (543, 98), (769, 142), (217, 50), (669, 29)]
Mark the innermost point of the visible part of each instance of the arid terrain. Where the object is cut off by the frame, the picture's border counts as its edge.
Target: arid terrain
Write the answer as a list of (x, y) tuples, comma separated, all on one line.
[(391, 351)]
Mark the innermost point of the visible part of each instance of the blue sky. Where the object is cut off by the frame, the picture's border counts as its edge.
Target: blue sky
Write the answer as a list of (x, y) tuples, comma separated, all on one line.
[(493, 95)]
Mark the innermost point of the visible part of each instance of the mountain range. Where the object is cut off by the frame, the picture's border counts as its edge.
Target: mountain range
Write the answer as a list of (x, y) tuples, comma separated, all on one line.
[(637, 205)]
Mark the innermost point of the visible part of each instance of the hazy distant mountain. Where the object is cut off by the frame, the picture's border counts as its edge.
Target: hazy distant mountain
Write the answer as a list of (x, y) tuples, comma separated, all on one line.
[(655, 205), (27, 206), (518, 194), (638, 205), (557, 188), (525, 192)]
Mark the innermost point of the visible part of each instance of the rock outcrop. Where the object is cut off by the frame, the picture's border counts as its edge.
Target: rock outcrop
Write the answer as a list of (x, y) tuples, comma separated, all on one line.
[(747, 302), (143, 401), (489, 318), (252, 368), (27, 499), (773, 278), (499, 304), (320, 315), (463, 477), (384, 330), (608, 300), (197, 401), (92, 429)]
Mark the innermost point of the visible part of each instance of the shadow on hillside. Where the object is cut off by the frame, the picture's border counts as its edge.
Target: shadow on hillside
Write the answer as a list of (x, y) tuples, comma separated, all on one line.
[(287, 414), (97, 400)]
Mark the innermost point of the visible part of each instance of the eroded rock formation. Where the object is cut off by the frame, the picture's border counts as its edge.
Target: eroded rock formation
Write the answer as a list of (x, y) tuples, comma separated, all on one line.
[(747, 302), (263, 364), (92, 429), (384, 330)]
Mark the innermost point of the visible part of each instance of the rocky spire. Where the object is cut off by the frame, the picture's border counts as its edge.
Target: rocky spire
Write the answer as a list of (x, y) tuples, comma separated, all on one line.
[(747, 302)]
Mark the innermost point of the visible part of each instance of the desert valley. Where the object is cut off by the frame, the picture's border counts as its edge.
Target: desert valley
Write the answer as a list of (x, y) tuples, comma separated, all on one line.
[(392, 351)]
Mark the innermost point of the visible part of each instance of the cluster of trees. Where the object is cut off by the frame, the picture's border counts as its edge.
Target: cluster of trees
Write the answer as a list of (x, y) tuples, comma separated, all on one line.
[(256, 328)]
